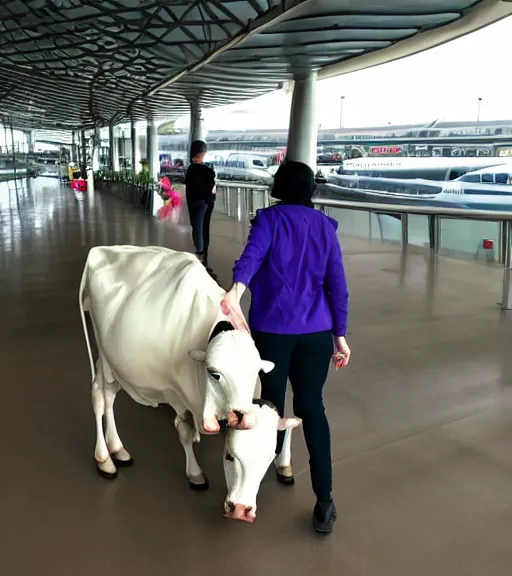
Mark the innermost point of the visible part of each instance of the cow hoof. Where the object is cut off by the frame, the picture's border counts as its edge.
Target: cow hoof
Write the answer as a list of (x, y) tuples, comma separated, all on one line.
[(122, 463), (109, 475), (285, 476), (199, 483), (122, 459)]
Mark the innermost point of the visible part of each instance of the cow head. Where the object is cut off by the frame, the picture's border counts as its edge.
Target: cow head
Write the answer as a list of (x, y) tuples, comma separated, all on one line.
[(231, 365), (247, 456)]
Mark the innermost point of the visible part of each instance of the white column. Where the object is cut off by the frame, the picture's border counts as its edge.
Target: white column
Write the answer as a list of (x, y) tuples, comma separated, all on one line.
[(196, 129), (73, 147), (133, 142), (111, 148), (31, 140), (96, 150), (152, 150), (141, 151), (303, 132), (83, 150), (117, 166)]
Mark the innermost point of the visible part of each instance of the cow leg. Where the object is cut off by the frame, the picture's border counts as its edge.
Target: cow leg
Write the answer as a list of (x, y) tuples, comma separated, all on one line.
[(119, 455), (283, 461), (106, 466), (187, 434)]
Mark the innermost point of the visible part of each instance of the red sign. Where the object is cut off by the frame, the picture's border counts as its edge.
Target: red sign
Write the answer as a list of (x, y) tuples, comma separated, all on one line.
[(379, 150), (280, 155)]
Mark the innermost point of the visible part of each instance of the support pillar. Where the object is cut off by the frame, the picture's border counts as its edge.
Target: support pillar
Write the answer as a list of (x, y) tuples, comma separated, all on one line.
[(111, 150), (152, 150), (117, 162), (73, 147), (30, 141), (133, 138), (14, 164), (141, 150), (196, 129), (95, 159), (83, 158), (303, 132), (506, 242), (149, 143)]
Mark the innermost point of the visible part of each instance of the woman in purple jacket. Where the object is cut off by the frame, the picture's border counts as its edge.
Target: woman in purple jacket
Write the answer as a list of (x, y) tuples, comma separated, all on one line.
[(293, 266)]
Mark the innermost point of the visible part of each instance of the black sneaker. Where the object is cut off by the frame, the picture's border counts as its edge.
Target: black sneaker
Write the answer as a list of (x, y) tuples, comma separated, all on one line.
[(324, 516), (201, 257)]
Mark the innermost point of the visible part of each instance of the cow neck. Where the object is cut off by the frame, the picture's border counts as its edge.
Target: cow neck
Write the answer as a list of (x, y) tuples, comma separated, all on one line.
[(222, 326)]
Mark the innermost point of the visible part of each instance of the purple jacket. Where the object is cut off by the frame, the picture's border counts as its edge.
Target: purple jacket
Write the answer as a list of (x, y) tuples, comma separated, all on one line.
[(293, 266)]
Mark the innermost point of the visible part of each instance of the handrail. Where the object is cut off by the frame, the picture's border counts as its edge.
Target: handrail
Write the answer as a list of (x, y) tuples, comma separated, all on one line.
[(242, 184), (434, 214), (442, 211)]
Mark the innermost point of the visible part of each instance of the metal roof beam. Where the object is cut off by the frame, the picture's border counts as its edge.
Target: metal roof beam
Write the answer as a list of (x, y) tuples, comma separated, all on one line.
[(277, 14), (481, 15)]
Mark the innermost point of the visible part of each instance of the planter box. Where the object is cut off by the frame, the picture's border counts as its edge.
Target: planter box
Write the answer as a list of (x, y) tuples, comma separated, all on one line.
[(140, 196)]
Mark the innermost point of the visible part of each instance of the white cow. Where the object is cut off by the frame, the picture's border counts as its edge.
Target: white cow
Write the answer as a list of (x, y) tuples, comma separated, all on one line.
[(162, 338)]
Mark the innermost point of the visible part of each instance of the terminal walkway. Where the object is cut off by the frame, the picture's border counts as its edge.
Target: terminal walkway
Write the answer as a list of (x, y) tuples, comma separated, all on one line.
[(421, 421)]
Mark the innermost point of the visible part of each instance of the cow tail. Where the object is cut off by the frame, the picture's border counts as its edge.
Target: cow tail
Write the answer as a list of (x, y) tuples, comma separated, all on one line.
[(83, 300)]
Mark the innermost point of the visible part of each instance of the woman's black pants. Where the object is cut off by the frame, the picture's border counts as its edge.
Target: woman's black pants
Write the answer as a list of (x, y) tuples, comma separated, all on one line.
[(305, 360), (200, 213)]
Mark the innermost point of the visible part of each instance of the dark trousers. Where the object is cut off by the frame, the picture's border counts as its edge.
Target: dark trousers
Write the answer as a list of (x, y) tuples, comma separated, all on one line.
[(200, 213), (305, 360)]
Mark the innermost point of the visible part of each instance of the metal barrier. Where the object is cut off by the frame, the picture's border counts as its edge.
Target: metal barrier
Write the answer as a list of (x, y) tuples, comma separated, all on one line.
[(245, 195), (243, 198)]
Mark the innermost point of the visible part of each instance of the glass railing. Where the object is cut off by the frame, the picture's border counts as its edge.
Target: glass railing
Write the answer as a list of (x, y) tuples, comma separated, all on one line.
[(481, 236)]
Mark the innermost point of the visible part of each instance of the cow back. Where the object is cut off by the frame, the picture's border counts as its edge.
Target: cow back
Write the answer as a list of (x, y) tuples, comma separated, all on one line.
[(150, 306)]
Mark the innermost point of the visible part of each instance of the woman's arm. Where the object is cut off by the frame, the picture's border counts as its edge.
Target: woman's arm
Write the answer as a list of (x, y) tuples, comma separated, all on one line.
[(336, 288), (336, 291), (230, 306)]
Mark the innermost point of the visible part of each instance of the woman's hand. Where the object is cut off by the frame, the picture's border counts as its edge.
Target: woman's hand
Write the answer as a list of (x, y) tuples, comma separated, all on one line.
[(342, 355), (230, 306)]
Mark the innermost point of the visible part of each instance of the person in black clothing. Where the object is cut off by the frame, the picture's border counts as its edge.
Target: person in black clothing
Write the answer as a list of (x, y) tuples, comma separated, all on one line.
[(200, 192)]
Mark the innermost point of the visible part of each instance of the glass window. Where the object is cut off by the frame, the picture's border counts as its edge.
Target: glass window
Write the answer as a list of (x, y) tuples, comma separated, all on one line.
[(232, 160), (471, 178), (488, 178), (502, 178)]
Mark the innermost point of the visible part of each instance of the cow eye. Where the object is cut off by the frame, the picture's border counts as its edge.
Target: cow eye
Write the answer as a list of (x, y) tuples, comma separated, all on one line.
[(215, 375)]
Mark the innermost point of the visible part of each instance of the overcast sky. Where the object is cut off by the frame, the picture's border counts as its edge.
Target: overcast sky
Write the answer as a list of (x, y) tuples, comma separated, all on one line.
[(444, 82)]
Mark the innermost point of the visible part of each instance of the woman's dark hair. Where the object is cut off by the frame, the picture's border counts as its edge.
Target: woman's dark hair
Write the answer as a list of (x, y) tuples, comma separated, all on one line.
[(294, 183), (197, 147)]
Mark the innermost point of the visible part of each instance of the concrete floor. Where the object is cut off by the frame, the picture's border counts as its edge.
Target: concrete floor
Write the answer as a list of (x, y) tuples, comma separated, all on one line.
[(421, 422)]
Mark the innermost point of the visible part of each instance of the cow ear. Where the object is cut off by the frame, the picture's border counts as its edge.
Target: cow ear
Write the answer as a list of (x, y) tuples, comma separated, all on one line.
[(288, 423), (267, 366), (197, 355)]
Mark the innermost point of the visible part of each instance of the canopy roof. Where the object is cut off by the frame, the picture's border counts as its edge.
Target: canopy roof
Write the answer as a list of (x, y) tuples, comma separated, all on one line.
[(75, 63)]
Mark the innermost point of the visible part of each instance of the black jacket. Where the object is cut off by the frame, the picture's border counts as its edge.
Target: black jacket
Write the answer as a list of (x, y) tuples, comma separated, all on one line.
[(199, 182)]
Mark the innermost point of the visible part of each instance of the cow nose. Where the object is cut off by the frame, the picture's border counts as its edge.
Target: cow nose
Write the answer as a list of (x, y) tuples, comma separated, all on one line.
[(239, 512), (239, 415)]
